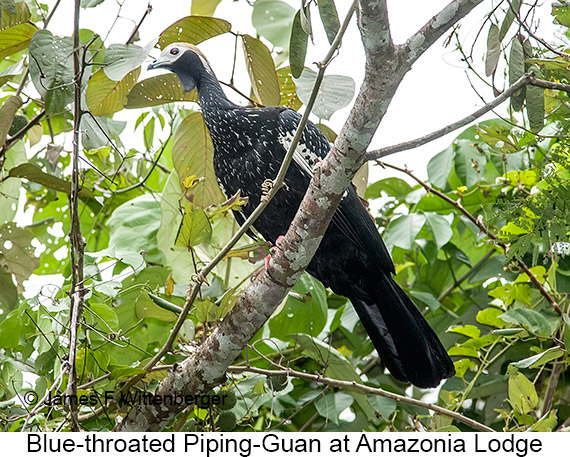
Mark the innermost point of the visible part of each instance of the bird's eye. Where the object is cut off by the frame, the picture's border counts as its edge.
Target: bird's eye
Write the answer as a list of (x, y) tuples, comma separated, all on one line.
[(174, 51)]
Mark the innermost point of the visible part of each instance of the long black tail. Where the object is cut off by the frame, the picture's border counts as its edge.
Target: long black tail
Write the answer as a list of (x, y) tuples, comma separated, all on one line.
[(407, 345)]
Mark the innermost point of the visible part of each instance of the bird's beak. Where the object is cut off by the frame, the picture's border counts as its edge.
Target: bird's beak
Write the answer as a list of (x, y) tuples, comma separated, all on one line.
[(161, 62)]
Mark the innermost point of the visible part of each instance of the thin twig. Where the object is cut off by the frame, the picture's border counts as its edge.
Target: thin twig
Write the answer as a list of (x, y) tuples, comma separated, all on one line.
[(469, 273), (138, 26), (353, 385)]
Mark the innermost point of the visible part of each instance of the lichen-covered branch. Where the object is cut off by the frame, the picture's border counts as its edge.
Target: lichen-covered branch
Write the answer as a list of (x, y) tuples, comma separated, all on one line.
[(425, 37)]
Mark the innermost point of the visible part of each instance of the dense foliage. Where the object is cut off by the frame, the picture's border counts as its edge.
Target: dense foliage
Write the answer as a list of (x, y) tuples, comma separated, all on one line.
[(151, 215)]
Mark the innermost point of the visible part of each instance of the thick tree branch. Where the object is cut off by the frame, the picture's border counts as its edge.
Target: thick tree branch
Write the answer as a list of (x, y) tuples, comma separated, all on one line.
[(383, 152), (425, 37)]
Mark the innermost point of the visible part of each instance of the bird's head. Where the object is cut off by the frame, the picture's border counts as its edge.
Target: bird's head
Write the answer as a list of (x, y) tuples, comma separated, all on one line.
[(186, 60)]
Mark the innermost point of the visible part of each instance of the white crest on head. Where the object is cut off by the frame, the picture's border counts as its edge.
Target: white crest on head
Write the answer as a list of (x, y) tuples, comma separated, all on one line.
[(185, 47)]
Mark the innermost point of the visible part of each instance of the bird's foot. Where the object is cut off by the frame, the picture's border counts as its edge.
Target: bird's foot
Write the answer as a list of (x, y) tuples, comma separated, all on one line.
[(267, 258)]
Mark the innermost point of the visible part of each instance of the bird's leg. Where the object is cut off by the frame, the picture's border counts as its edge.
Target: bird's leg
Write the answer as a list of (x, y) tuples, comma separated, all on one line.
[(267, 257)]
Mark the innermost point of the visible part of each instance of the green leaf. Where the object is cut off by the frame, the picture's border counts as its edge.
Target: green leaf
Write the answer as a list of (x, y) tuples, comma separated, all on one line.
[(535, 103), (157, 91), (329, 133), (403, 230), (16, 253), (8, 292), (332, 404), (439, 167), (468, 330), (9, 6), (329, 18), (33, 173), (493, 50), (337, 366), (133, 227), (287, 89), (261, 71), (512, 7), (103, 315), (273, 20), (522, 394), (541, 359), (194, 229), (469, 163), (105, 96), (546, 424), (14, 39), (193, 155), (298, 46), (204, 7), (426, 298), (193, 30), (491, 317), (530, 319), (394, 187), (516, 71), (121, 59), (51, 69), (10, 329), (146, 307), (440, 228), (7, 114), (306, 316), (336, 92), (14, 14)]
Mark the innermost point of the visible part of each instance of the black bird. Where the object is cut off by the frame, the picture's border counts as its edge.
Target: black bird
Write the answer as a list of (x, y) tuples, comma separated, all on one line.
[(249, 146)]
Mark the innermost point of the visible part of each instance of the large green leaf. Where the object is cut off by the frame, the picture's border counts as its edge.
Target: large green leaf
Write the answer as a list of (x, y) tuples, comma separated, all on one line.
[(493, 50), (17, 253), (469, 163), (540, 359), (439, 167), (105, 96), (298, 46), (261, 70), (440, 228), (121, 59), (273, 20), (337, 366), (332, 404), (531, 319), (7, 113), (204, 7), (194, 229), (301, 316), (192, 155), (516, 71), (403, 230), (329, 18), (51, 68), (193, 30), (336, 92), (14, 39), (133, 227), (394, 187), (157, 91), (513, 7), (522, 394), (535, 103), (287, 89)]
